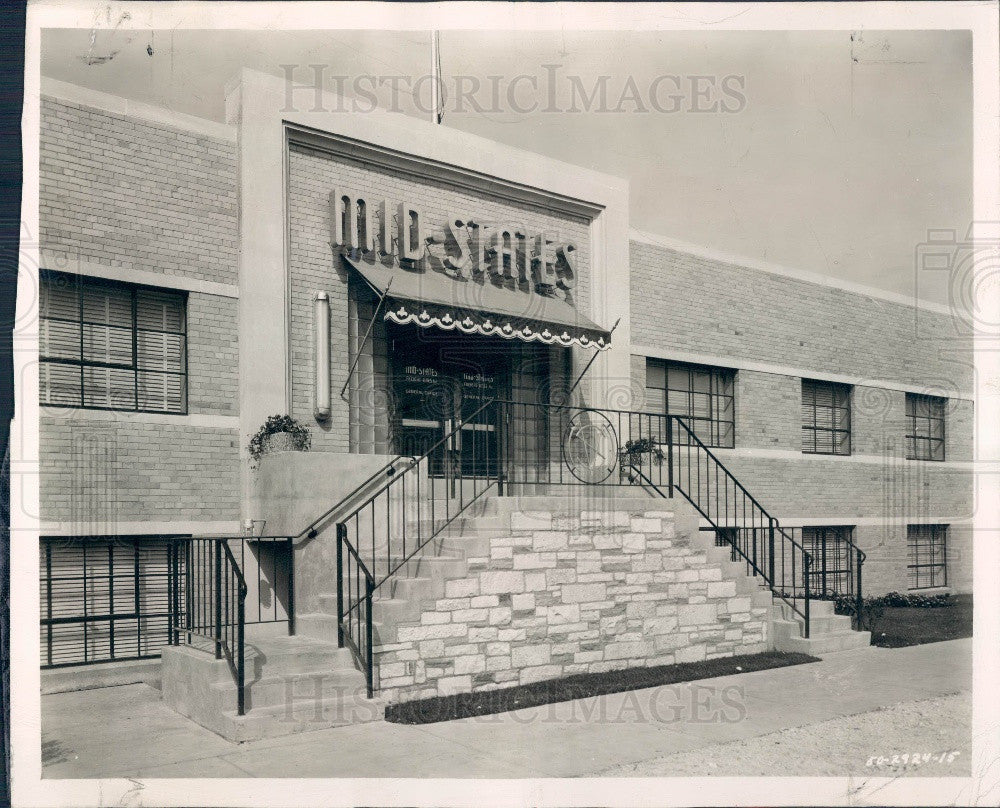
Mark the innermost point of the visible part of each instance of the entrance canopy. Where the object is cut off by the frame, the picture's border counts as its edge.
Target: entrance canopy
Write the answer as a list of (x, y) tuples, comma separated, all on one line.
[(478, 306)]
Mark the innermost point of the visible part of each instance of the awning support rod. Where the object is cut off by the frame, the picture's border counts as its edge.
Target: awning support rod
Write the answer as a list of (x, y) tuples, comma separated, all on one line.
[(364, 341), (587, 366)]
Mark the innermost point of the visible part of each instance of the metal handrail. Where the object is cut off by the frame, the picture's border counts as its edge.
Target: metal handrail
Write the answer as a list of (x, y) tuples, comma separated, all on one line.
[(365, 651), (860, 556), (736, 499), (204, 595), (416, 462), (359, 627), (738, 549), (387, 469), (729, 474), (240, 651), (773, 524)]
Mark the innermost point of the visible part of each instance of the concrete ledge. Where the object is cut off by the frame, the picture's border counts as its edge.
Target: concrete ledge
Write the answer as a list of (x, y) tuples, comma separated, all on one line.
[(290, 489), (104, 674)]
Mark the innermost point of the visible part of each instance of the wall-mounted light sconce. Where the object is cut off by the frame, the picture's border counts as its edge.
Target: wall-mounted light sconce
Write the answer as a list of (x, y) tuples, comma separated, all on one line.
[(322, 369)]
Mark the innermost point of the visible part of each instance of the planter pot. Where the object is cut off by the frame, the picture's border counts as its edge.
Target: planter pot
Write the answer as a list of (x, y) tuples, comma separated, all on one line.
[(279, 442)]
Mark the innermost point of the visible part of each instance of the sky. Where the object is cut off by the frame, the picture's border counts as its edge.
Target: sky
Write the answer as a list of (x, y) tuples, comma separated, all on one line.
[(832, 151)]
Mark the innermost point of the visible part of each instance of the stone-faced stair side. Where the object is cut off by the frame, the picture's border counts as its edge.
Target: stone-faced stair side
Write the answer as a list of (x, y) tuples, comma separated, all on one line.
[(550, 590), (828, 631)]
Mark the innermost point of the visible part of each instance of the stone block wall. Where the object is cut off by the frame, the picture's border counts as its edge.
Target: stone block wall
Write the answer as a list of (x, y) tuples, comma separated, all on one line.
[(561, 595)]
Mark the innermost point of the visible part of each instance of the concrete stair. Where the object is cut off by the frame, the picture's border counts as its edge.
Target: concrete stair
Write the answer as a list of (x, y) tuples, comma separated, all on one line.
[(828, 632), (732, 570), (446, 558), (296, 684), (293, 684)]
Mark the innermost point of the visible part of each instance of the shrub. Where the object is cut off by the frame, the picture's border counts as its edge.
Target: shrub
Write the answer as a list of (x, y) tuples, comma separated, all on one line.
[(274, 425), (873, 608), (918, 601), (633, 451)]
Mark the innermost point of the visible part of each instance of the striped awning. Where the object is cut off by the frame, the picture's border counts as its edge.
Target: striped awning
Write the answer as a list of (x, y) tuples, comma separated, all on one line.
[(433, 299)]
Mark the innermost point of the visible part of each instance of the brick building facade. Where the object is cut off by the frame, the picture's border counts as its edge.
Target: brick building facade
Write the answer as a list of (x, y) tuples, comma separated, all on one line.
[(128, 197), (146, 203), (775, 328)]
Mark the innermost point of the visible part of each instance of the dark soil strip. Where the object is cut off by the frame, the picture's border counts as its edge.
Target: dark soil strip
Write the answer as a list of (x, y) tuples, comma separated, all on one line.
[(581, 686)]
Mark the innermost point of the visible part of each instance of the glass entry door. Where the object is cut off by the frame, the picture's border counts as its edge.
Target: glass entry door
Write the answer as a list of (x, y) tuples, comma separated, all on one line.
[(440, 380)]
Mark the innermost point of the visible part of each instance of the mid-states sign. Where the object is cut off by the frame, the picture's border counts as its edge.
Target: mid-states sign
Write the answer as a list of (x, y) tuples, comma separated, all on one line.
[(465, 244)]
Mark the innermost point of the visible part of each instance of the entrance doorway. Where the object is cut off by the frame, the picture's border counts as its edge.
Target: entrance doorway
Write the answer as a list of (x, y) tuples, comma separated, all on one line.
[(441, 379)]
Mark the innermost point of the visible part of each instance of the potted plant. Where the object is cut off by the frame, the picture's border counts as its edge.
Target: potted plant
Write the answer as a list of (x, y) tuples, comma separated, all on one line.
[(280, 433), (635, 453)]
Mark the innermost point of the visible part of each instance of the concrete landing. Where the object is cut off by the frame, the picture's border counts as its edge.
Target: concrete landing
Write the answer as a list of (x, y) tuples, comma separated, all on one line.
[(292, 684)]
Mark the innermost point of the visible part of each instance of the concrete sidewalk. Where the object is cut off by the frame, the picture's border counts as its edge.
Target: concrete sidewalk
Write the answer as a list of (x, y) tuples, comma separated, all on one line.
[(127, 732)]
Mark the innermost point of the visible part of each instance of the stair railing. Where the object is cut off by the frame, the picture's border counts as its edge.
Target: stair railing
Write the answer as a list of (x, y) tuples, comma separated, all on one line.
[(385, 472), (594, 446), (410, 509), (769, 551), (206, 576), (518, 444), (836, 572)]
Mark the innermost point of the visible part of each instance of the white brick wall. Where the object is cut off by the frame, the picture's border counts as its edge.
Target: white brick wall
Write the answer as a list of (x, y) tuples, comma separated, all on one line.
[(687, 304), (137, 195), (591, 591), (141, 196)]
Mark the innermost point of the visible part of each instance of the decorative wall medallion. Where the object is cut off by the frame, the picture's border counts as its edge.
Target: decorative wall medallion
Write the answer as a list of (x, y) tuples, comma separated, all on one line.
[(590, 447)]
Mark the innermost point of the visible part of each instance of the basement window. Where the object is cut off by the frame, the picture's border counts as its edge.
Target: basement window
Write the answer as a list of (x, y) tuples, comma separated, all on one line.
[(112, 346), (829, 551), (926, 550)]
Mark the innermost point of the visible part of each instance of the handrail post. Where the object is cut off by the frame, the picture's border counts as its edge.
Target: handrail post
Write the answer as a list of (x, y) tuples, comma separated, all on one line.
[(500, 458), (370, 651), (218, 598), (858, 597), (806, 563), (341, 537), (291, 587), (770, 551), (170, 593), (178, 598), (670, 457), (240, 654)]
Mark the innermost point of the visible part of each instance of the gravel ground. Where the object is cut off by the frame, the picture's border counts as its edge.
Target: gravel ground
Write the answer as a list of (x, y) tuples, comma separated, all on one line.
[(837, 748)]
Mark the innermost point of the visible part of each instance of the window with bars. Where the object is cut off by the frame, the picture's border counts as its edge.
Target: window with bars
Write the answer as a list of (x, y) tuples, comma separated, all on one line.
[(728, 537), (103, 598), (927, 549), (829, 550), (109, 345), (826, 418), (702, 395), (925, 427)]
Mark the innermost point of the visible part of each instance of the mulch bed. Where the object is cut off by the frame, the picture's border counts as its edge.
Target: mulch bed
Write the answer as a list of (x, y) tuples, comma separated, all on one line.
[(580, 686)]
